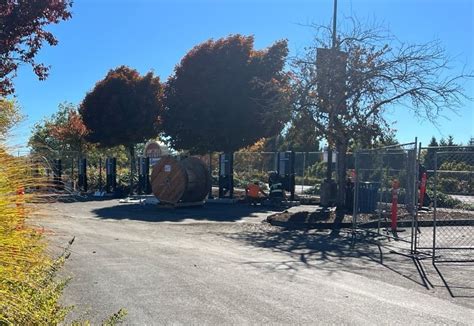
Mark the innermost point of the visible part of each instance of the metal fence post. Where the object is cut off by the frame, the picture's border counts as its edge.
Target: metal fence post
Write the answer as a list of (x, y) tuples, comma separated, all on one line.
[(435, 205), (304, 169), (100, 174), (356, 192), (417, 186), (414, 197), (73, 183)]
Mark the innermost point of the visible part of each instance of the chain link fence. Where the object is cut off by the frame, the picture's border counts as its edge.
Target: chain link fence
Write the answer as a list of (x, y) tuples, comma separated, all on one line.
[(44, 176), (250, 166), (62, 170), (310, 169), (453, 230), (424, 196), (450, 204), (385, 190)]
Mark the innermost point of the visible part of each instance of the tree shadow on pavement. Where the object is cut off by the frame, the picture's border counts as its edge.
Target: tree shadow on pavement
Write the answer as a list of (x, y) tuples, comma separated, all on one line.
[(209, 212), (367, 256)]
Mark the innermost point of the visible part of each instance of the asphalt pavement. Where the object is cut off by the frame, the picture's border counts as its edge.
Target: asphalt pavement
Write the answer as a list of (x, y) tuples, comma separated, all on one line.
[(221, 265)]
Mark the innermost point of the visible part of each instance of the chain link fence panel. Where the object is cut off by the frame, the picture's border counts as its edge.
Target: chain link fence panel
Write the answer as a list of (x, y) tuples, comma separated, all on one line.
[(446, 214), (253, 166), (385, 190), (309, 167), (453, 229)]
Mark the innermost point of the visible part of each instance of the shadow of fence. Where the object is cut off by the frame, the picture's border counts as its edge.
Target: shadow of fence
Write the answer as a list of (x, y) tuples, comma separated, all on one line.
[(321, 250)]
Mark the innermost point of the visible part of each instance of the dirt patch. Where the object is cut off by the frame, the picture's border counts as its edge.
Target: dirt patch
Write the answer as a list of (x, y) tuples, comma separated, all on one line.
[(423, 215), (303, 217), (319, 217)]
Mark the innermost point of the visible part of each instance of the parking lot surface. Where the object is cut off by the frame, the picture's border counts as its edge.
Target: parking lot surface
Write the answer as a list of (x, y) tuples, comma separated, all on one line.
[(220, 264)]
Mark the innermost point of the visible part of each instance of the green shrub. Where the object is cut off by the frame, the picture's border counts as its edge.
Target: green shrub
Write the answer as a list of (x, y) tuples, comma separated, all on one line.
[(443, 200), (465, 206), (315, 190), (449, 185), (123, 179), (307, 180)]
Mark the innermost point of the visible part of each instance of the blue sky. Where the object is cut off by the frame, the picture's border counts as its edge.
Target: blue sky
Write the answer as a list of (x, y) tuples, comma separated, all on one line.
[(156, 34)]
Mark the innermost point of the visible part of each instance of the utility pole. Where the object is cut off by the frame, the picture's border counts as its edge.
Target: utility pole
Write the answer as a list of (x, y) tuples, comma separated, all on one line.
[(328, 62), (334, 47), (334, 21)]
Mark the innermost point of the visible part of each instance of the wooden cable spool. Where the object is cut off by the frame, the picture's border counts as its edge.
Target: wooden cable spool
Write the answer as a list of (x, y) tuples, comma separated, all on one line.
[(185, 181)]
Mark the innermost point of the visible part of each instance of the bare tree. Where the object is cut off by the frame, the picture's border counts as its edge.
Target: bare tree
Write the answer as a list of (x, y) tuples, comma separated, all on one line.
[(381, 72)]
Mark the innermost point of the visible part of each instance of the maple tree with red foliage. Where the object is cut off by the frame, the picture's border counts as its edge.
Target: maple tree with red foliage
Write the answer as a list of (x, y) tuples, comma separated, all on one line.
[(123, 109), (22, 35), (72, 132), (225, 95)]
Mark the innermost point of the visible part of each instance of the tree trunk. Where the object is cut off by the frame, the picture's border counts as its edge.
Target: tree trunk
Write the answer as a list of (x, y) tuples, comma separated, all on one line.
[(210, 175), (341, 148), (131, 150)]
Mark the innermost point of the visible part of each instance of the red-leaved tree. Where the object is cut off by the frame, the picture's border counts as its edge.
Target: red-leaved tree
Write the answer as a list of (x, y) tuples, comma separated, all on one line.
[(123, 109), (22, 34), (72, 132), (225, 95)]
